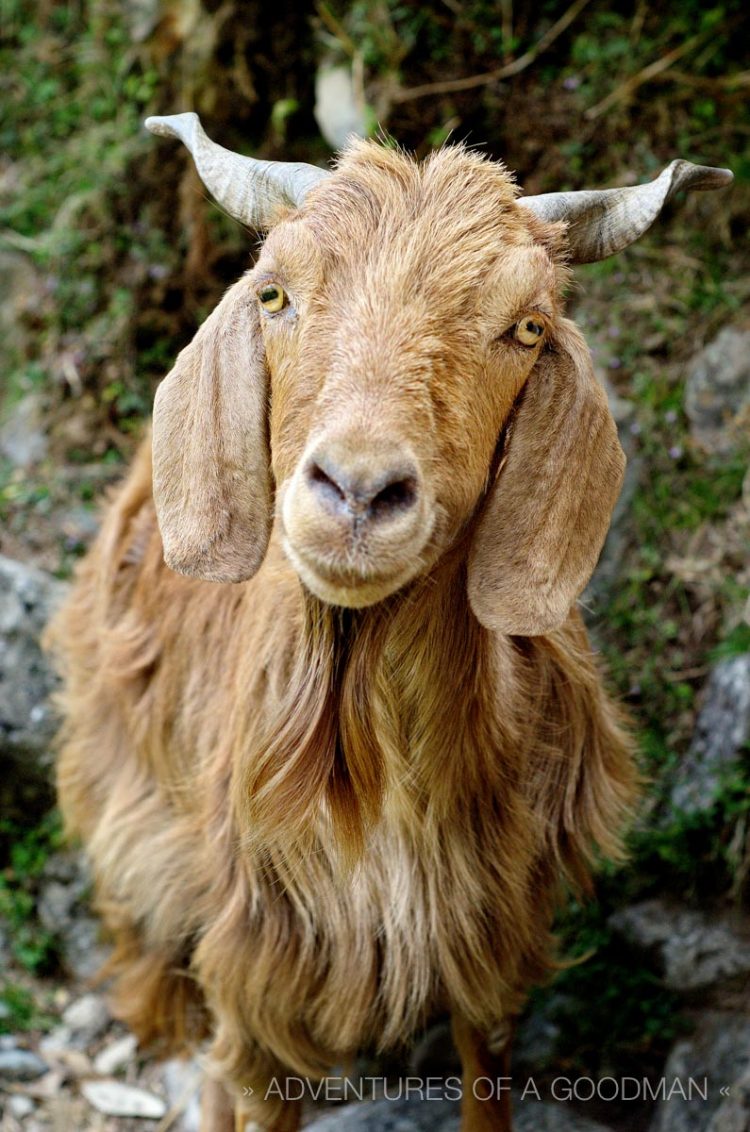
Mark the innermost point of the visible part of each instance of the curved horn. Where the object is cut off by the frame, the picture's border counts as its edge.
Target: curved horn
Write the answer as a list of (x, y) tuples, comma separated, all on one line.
[(251, 191), (603, 222)]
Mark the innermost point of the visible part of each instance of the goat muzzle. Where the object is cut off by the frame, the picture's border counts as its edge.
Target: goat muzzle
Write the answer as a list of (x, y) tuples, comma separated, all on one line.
[(356, 518)]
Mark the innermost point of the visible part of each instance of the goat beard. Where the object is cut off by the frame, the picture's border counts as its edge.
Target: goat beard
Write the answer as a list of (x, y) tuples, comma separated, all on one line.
[(318, 760)]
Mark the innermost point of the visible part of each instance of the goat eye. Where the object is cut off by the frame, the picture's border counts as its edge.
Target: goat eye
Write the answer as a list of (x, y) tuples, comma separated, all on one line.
[(528, 331), (272, 297)]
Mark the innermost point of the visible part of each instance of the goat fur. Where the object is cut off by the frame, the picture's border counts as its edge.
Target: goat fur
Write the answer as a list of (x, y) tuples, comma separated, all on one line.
[(311, 827)]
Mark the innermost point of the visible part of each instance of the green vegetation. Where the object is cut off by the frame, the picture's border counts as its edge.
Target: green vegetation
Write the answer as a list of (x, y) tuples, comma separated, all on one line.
[(23, 855)]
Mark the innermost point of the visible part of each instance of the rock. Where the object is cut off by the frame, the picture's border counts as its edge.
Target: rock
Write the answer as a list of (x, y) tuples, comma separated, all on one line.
[(533, 1116), (339, 106), (695, 950), (63, 909), (56, 1042), (608, 567), (717, 392), (23, 440), (86, 1019), (443, 1116), (391, 1116), (182, 1081), (115, 1099), (27, 722), (733, 1115), (116, 1056), (20, 1106), (713, 1058), (722, 730), (20, 1065), (20, 287)]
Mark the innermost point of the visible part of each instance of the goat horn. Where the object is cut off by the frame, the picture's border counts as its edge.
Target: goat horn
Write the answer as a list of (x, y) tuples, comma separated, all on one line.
[(603, 222), (251, 191)]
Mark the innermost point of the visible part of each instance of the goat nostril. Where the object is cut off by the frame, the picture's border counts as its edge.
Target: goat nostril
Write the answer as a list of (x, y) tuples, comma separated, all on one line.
[(361, 494), (396, 496), (324, 484)]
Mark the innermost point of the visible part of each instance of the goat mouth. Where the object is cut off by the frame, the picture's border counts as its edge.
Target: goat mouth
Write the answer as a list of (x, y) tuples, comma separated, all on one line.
[(345, 585)]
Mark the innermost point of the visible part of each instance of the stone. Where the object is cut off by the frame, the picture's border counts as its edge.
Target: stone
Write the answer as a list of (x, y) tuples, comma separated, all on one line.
[(20, 287), (20, 1065), (115, 1099), (182, 1081), (20, 1106), (27, 722), (733, 1115), (714, 1057), (409, 1115), (339, 107), (721, 731), (87, 1019), (23, 440), (717, 392), (116, 1056), (696, 951), (608, 567), (63, 909)]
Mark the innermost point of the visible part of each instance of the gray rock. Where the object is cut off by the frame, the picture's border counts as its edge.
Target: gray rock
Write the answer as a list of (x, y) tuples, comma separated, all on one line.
[(722, 729), (714, 1057), (717, 392), (20, 1065), (23, 440), (608, 568), (20, 1106), (20, 287), (27, 722), (115, 1099), (696, 951), (63, 909), (733, 1115), (182, 1082), (443, 1116), (391, 1116), (339, 107), (87, 1019), (536, 1039), (116, 1056)]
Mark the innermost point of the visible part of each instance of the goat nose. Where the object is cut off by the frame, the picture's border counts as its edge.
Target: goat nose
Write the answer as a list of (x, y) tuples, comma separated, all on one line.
[(358, 492)]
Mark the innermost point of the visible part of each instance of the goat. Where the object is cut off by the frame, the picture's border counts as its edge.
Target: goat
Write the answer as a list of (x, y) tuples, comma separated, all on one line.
[(332, 775)]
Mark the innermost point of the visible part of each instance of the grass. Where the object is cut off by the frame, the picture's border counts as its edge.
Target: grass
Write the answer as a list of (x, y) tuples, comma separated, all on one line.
[(24, 853)]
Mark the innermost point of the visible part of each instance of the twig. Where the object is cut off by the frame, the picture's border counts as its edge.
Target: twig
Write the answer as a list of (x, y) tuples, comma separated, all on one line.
[(505, 72), (651, 71), (336, 28), (729, 83)]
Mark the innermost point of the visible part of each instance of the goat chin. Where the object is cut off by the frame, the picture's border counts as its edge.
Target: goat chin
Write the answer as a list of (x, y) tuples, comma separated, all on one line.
[(349, 588)]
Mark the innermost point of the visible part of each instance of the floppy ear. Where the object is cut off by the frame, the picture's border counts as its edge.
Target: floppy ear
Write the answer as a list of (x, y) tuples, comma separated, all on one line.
[(212, 479), (546, 517)]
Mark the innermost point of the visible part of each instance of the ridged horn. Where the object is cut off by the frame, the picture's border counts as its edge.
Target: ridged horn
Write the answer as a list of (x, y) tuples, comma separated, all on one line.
[(251, 191), (603, 222)]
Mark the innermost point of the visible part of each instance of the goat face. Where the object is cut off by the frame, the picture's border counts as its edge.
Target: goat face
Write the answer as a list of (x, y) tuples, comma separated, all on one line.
[(394, 325)]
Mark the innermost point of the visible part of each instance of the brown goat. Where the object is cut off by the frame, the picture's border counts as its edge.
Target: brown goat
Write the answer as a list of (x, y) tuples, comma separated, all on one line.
[(328, 802)]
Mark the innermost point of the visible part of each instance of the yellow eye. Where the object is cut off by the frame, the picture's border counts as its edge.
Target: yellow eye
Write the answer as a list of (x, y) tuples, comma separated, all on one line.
[(529, 331), (272, 297)]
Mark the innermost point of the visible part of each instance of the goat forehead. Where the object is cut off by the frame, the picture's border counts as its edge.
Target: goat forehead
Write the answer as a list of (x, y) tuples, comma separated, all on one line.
[(383, 208)]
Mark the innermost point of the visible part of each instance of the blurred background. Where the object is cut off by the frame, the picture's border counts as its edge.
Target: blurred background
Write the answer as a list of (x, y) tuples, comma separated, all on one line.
[(111, 254)]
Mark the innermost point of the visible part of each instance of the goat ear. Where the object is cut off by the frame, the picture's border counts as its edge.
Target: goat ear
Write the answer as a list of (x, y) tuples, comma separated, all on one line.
[(212, 479), (546, 517)]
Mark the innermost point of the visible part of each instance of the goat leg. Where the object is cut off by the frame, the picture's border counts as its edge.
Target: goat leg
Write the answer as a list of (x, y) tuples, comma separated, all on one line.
[(485, 1098), (217, 1110)]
